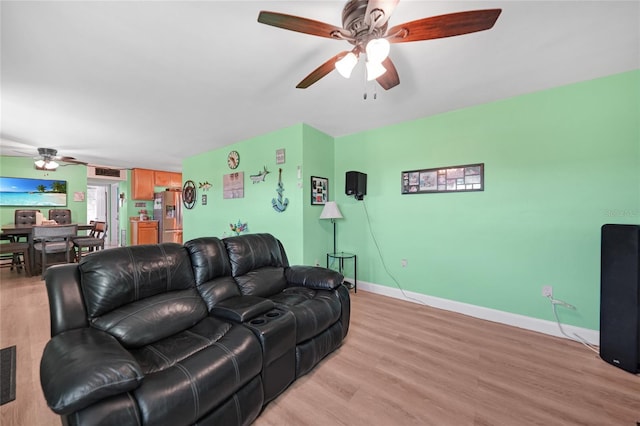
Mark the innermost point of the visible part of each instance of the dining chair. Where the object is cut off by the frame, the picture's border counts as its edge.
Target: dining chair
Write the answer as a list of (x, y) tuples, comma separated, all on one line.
[(53, 239), (22, 217), (15, 254), (61, 216), (93, 242)]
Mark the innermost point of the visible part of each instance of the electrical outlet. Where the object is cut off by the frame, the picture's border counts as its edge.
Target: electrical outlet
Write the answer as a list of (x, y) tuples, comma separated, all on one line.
[(403, 263), (547, 291), (317, 263)]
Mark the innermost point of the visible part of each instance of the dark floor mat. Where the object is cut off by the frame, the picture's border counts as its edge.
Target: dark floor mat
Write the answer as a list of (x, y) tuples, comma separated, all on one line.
[(7, 374)]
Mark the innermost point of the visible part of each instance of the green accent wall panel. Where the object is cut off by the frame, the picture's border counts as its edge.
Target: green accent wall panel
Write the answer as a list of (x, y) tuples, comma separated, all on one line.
[(558, 165)]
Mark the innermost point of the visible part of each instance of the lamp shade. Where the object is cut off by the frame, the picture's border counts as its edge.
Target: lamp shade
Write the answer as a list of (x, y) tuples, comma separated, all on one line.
[(374, 70), (346, 64), (377, 50), (331, 211)]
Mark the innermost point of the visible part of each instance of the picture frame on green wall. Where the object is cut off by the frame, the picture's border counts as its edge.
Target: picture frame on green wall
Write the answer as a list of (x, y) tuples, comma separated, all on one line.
[(319, 190), (465, 178)]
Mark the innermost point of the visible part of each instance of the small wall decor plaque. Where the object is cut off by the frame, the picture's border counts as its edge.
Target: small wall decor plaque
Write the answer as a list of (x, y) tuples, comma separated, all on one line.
[(233, 185), (465, 178)]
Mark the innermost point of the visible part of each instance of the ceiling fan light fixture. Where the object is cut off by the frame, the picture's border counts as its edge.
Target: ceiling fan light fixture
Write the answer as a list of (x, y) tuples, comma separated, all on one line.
[(377, 50), (346, 65), (51, 165), (374, 70)]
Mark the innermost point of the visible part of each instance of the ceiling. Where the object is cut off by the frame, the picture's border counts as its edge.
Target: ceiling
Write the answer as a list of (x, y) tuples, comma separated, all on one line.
[(146, 83)]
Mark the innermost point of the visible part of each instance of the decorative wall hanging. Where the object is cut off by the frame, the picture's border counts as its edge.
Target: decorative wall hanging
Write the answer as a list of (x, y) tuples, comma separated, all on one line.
[(189, 194), (280, 156), (205, 185), (279, 204), (238, 227), (233, 160), (319, 190), (465, 178), (233, 185), (26, 192), (260, 176)]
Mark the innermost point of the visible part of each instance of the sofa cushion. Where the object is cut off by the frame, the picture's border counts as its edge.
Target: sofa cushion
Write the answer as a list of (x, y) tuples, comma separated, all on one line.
[(115, 277), (82, 366), (188, 374), (253, 251), (314, 310), (140, 294), (208, 259), (212, 270), (153, 318)]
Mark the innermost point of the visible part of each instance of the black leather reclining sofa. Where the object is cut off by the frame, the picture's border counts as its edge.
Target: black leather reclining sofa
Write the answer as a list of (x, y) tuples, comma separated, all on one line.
[(205, 333)]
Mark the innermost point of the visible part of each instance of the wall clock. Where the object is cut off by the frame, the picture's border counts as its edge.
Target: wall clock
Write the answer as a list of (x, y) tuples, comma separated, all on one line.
[(233, 160), (189, 194)]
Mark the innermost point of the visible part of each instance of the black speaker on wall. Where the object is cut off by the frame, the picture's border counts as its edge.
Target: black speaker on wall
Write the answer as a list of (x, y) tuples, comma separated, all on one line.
[(620, 296), (356, 184)]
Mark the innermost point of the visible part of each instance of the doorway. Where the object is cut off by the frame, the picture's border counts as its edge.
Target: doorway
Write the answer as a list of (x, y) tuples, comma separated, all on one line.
[(102, 205)]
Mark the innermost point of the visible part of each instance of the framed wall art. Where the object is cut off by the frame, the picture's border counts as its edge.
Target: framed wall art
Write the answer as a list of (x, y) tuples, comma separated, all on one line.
[(233, 185), (319, 190), (465, 178), (26, 192)]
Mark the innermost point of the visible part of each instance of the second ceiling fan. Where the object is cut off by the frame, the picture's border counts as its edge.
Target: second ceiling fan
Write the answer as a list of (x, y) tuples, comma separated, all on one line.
[(365, 26)]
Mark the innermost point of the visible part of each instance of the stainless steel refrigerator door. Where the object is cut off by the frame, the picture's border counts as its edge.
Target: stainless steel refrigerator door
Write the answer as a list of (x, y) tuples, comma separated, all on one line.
[(172, 236), (170, 211)]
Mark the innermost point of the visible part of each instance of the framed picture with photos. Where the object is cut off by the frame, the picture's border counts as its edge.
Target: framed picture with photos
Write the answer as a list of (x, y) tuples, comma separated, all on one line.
[(319, 190)]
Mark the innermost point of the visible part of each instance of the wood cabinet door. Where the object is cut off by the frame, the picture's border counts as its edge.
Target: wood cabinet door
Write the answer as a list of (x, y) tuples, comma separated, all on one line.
[(142, 184), (176, 180), (147, 235)]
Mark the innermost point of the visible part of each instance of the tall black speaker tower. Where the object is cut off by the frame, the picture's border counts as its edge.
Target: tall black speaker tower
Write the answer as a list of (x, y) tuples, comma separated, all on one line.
[(620, 296)]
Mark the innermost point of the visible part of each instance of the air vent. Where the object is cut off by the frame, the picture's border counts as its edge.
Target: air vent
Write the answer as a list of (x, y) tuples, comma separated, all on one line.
[(101, 172)]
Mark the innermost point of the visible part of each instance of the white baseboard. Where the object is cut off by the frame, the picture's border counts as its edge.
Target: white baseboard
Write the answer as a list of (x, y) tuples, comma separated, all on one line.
[(516, 320)]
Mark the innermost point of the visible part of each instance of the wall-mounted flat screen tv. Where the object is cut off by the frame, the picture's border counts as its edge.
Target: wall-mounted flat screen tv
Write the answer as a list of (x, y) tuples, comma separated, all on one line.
[(24, 192)]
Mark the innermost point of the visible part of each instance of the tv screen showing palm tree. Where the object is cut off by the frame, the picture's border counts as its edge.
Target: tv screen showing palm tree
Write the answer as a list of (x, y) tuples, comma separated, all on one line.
[(32, 192)]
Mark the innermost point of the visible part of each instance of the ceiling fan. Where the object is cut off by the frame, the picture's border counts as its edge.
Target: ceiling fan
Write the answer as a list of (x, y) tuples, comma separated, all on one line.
[(47, 157), (365, 26)]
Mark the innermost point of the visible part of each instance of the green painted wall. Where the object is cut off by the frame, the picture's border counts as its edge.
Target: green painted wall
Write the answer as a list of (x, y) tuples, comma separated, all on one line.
[(558, 165), (318, 155), (298, 227), (75, 175)]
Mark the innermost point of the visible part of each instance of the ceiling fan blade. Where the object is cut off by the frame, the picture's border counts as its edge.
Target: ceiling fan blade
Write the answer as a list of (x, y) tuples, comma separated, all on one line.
[(386, 8), (390, 78), (448, 25), (71, 160), (321, 71), (301, 25)]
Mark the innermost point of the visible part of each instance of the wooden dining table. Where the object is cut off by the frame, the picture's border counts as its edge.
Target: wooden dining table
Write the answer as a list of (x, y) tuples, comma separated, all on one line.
[(26, 231)]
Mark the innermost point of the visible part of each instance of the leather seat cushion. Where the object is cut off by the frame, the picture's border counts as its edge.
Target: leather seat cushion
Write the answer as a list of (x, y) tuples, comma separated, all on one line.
[(122, 275), (314, 310), (201, 366), (153, 318)]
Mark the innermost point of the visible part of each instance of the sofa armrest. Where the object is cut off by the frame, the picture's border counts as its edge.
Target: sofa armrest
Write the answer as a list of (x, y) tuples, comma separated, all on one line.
[(242, 308), (314, 277), (82, 366)]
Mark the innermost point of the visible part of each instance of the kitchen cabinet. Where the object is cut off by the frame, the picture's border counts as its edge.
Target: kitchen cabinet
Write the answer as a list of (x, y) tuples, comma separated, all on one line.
[(168, 179), (144, 232), (142, 184)]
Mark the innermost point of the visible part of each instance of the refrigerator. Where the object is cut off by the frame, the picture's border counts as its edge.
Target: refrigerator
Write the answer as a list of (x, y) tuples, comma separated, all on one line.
[(167, 210)]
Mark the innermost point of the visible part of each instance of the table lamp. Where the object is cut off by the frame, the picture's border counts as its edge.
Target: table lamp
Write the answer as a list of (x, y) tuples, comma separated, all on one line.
[(331, 211)]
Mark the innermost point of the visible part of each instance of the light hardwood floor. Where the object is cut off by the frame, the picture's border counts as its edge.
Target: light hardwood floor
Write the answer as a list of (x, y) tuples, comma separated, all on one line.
[(401, 364)]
